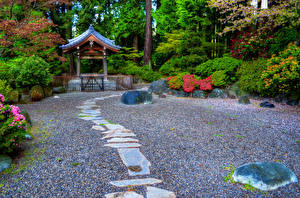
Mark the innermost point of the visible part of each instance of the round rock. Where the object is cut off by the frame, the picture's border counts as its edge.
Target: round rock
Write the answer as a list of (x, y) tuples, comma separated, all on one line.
[(264, 175), (159, 87), (218, 93), (5, 162), (136, 97)]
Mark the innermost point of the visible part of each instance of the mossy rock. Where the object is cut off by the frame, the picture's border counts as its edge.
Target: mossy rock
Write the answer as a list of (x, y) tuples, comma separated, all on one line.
[(13, 96), (234, 91), (37, 93), (25, 99), (48, 91), (59, 90)]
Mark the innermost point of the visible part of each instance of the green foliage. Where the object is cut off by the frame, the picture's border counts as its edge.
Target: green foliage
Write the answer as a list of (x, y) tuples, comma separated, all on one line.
[(282, 75), (219, 78), (34, 71), (181, 64), (150, 76), (13, 96), (37, 93), (249, 75), (282, 38), (228, 178), (228, 64), (172, 44), (5, 89), (166, 17), (131, 69)]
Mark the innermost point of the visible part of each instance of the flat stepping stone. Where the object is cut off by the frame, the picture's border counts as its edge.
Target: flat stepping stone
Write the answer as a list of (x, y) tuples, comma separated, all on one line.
[(114, 126), (123, 145), (98, 127), (124, 195), (153, 192), (264, 175), (118, 135), (5, 162), (135, 182), (117, 131), (121, 140), (100, 122), (91, 111), (91, 118), (135, 161)]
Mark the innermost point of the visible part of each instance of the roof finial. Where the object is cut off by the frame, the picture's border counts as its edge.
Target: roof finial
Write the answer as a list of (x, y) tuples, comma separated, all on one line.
[(91, 27)]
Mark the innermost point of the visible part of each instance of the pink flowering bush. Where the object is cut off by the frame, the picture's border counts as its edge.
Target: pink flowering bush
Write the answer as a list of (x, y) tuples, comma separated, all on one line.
[(12, 127)]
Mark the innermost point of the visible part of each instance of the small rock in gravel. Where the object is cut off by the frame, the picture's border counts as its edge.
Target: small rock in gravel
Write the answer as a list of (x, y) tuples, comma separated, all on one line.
[(267, 104), (264, 175)]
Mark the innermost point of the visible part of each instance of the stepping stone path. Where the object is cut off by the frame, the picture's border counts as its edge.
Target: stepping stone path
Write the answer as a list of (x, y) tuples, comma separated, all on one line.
[(127, 146)]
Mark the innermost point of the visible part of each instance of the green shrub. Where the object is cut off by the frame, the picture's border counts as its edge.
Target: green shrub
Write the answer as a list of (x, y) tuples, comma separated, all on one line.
[(132, 69), (12, 127), (282, 38), (228, 64), (34, 71), (282, 75), (181, 64), (4, 88), (13, 96), (249, 75), (219, 78), (36, 93), (150, 76), (48, 91)]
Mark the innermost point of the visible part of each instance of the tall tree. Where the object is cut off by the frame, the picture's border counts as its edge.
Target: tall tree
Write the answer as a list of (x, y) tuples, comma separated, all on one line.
[(148, 34)]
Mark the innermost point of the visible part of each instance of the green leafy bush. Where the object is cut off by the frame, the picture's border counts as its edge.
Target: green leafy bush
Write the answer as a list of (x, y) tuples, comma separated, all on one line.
[(228, 64), (282, 75), (5, 89), (150, 76), (12, 127), (132, 69), (34, 71), (182, 64), (282, 38), (219, 78), (249, 75)]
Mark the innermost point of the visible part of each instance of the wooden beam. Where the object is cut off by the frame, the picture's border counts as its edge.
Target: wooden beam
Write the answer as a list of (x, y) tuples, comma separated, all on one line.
[(91, 57)]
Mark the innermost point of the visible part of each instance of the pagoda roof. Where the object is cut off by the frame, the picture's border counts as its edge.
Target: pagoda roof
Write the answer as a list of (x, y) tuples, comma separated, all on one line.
[(88, 33)]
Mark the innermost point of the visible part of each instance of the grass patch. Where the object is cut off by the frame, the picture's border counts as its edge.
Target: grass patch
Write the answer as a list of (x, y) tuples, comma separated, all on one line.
[(75, 164), (239, 136), (218, 135)]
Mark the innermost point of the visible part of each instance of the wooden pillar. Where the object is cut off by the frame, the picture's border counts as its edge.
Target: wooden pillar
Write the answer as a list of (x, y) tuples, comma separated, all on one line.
[(104, 64), (72, 72), (78, 62)]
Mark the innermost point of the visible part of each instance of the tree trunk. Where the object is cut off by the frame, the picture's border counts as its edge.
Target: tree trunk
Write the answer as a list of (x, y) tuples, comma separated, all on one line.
[(148, 34), (136, 47)]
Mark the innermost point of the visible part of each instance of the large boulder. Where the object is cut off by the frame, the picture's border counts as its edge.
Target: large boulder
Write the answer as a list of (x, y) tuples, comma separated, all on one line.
[(25, 99), (136, 97), (198, 94), (264, 175), (5, 162), (181, 93), (234, 91), (218, 93), (159, 87)]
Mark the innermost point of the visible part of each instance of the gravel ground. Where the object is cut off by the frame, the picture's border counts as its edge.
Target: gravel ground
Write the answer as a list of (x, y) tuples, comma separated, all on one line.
[(187, 141)]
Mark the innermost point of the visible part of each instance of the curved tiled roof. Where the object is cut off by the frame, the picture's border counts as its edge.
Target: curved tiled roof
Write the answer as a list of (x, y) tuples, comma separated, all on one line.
[(91, 31)]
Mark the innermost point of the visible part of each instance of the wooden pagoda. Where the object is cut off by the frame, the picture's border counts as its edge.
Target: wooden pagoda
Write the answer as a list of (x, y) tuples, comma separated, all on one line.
[(89, 45)]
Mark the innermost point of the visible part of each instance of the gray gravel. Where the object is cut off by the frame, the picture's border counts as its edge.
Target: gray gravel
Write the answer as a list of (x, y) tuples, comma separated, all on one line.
[(189, 159)]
